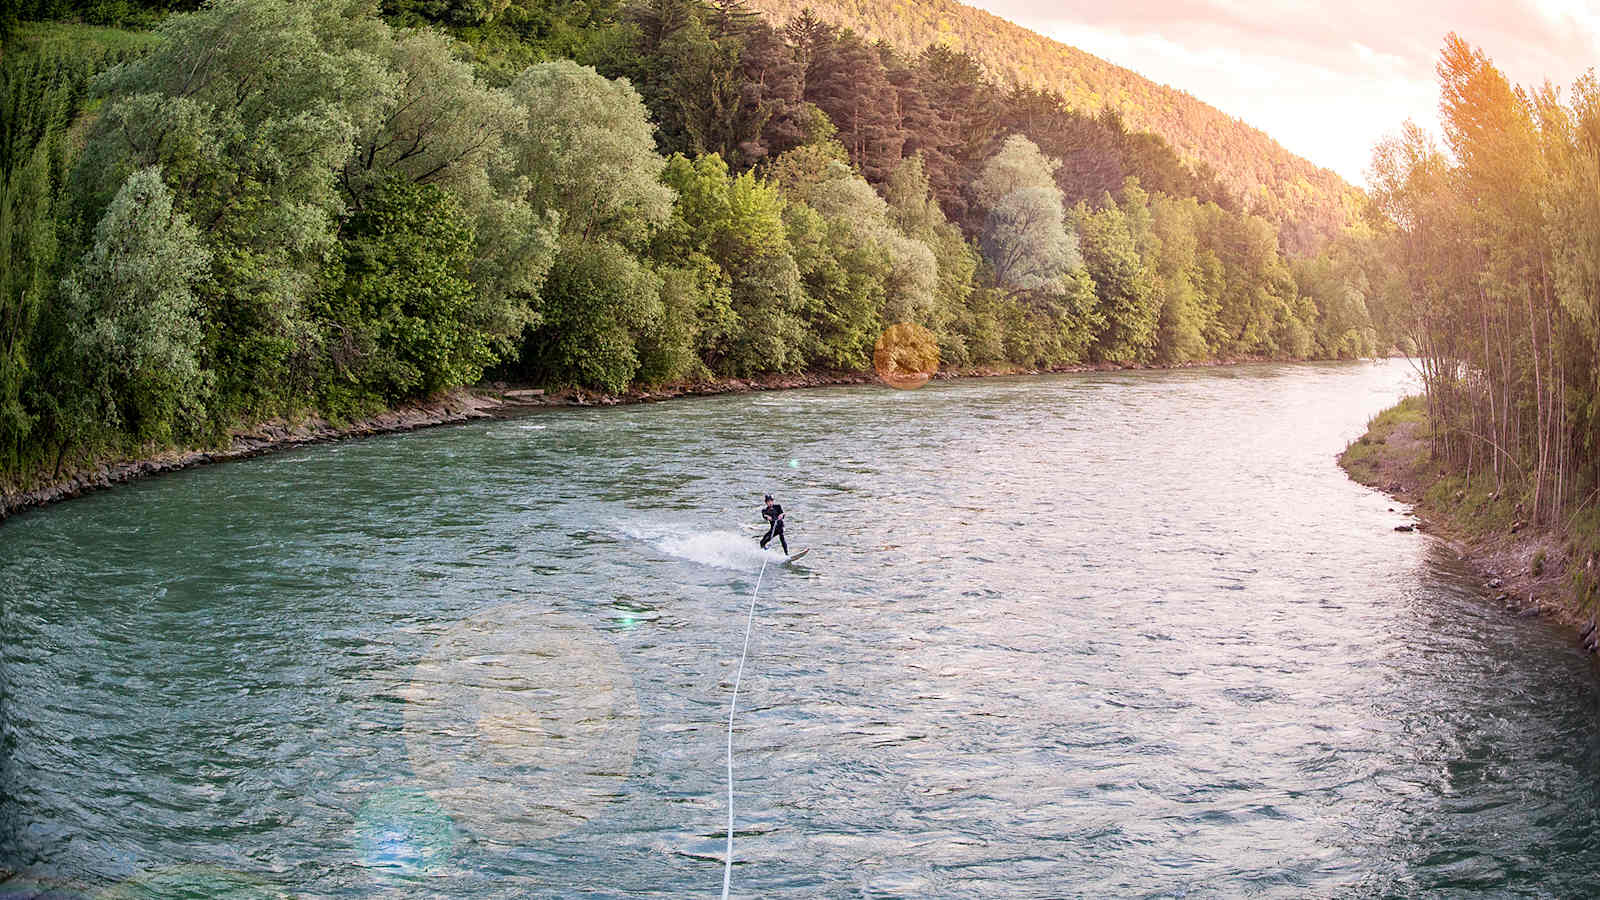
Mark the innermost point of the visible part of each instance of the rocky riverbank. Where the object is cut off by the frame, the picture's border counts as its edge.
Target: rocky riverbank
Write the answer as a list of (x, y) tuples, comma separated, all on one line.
[(266, 437), (1521, 567), (525, 396), (517, 397), (491, 400)]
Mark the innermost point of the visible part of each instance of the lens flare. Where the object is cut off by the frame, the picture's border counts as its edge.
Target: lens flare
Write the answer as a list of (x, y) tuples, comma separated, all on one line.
[(906, 356), (521, 723), (629, 613), (404, 830)]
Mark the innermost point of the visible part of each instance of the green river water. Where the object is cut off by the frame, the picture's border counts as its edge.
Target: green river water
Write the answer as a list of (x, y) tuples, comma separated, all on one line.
[(1122, 634)]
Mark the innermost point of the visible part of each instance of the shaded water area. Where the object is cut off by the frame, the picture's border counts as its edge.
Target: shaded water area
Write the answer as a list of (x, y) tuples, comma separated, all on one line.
[(1123, 634)]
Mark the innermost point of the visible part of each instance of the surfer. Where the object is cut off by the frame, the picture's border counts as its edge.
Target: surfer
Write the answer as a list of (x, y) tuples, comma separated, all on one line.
[(773, 513)]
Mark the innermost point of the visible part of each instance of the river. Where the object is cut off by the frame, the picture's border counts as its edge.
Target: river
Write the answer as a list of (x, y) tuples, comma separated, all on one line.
[(1105, 634)]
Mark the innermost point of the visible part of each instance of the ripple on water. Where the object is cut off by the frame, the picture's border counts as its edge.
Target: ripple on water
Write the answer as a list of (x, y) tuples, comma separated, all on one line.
[(1114, 634)]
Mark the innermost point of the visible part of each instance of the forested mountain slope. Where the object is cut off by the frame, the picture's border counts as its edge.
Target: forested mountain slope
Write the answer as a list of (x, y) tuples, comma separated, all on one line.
[(1308, 203), (265, 208)]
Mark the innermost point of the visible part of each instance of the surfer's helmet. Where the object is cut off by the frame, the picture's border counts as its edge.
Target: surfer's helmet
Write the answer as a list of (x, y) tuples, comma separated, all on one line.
[(767, 498)]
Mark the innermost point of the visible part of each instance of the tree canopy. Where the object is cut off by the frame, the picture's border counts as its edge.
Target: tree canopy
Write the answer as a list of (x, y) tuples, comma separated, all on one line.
[(267, 207)]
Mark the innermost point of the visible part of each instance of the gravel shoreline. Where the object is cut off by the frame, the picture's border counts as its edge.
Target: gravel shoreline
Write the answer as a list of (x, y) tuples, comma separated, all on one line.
[(456, 407), (1521, 568), (496, 400)]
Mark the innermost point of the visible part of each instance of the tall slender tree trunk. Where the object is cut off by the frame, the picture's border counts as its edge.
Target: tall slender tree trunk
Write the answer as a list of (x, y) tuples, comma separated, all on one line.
[(1539, 414)]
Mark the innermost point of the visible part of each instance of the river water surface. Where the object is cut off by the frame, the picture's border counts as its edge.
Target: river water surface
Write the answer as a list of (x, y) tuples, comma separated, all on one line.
[(1088, 635)]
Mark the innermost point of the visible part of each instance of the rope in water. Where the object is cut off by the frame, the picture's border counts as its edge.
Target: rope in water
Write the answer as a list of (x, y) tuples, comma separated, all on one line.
[(727, 864)]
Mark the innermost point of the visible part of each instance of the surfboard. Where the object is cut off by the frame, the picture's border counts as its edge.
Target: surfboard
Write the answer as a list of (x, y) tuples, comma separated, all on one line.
[(797, 555)]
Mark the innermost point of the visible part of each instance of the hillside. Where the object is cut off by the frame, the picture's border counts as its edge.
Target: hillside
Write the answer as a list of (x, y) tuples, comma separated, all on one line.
[(711, 199), (1306, 202)]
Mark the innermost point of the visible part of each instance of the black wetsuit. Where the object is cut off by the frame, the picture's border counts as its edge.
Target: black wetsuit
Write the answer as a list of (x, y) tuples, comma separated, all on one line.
[(774, 515)]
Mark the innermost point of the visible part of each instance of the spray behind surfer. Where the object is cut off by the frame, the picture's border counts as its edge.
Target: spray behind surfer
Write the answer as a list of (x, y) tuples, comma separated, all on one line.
[(773, 513)]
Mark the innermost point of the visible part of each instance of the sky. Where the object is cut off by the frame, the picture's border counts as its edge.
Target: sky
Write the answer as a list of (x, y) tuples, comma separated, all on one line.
[(1328, 80)]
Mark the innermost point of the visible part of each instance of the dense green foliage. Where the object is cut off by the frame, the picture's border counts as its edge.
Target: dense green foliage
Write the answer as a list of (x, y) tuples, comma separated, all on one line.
[(44, 90), (1495, 251), (269, 207), (129, 315), (1308, 205), (397, 309)]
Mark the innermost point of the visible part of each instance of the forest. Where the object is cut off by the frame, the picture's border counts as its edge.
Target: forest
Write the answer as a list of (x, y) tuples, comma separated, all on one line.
[(263, 208), (1308, 204), (1496, 236)]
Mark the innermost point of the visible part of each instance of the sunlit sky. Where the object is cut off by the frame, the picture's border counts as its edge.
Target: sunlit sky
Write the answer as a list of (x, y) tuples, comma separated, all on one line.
[(1328, 80)]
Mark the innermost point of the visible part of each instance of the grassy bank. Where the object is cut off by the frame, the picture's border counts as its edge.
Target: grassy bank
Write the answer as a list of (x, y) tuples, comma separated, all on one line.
[(1544, 571)]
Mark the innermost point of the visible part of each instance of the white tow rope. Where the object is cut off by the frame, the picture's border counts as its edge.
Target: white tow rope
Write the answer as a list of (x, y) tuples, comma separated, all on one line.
[(727, 865)]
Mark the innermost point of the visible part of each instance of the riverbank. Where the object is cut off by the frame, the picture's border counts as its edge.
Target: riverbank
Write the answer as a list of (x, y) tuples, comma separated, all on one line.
[(266, 437), (492, 400), (1524, 568), (517, 396)]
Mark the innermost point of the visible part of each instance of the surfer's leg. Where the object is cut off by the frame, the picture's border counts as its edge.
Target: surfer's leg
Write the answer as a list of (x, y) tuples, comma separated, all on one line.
[(783, 540), (768, 538)]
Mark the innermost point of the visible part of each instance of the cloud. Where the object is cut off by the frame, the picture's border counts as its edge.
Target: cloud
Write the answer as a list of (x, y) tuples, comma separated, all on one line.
[(1328, 80)]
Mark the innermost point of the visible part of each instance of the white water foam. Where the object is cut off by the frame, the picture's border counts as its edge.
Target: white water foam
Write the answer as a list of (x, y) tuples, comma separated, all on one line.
[(719, 548)]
